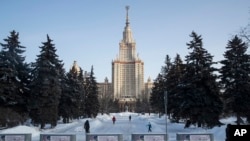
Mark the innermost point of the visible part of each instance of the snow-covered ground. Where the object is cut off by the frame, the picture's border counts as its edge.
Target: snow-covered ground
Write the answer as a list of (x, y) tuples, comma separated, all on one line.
[(103, 125)]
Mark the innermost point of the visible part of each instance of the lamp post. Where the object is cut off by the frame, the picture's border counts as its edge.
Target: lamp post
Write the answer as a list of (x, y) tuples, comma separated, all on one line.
[(166, 103)]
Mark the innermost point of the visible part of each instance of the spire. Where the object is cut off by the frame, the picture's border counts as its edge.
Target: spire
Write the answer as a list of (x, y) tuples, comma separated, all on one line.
[(127, 33), (127, 19)]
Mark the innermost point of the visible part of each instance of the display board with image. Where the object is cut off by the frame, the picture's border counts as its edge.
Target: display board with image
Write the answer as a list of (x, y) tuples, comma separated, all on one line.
[(57, 137), (15, 137), (149, 137), (194, 137), (104, 137)]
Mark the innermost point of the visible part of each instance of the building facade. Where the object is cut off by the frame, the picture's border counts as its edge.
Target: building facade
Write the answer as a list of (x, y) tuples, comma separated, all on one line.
[(127, 71), (127, 84), (105, 89)]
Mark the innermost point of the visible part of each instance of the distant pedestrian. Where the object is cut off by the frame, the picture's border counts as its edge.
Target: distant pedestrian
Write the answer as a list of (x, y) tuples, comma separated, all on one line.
[(86, 126), (149, 127), (129, 117), (187, 124), (113, 119)]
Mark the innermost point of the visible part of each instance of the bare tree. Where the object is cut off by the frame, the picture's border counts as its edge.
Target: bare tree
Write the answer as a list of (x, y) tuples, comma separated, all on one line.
[(245, 31), (105, 103)]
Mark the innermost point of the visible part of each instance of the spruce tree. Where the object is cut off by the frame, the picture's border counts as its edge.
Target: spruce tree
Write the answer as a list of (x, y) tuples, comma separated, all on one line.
[(91, 95), (46, 86), (235, 78), (165, 69), (75, 93), (157, 95), (173, 79), (81, 94), (14, 78), (67, 104), (199, 89), (160, 87), (72, 102)]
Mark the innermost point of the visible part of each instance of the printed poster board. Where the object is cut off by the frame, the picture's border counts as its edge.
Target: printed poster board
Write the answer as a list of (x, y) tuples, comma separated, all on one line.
[(104, 137), (147, 137), (57, 137), (15, 137), (200, 138), (194, 137), (107, 138)]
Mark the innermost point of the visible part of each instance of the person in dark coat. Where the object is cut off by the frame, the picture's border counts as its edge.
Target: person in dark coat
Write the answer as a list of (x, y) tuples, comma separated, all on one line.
[(149, 127), (187, 124), (86, 126), (113, 119), (129, 117)]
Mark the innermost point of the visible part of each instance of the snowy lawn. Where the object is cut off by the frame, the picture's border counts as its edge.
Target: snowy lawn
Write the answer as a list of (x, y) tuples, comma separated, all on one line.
[(103, 125)]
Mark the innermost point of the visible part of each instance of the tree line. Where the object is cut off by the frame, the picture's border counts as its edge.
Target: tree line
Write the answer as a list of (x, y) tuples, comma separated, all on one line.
[(42, 90), (200, 93), (196, 91)]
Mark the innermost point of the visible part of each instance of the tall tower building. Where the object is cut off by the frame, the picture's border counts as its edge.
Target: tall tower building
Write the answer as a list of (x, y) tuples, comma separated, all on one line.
[(127, 71)]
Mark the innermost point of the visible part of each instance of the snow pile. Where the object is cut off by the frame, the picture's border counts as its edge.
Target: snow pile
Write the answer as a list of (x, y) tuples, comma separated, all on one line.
[(22, 129)]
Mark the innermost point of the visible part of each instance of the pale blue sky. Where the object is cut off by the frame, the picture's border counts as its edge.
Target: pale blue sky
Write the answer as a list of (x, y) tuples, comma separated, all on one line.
[(89, 31)]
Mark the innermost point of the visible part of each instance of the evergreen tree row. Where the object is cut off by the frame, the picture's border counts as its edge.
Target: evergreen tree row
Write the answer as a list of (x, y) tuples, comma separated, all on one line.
[(198, 92), (42, 90)]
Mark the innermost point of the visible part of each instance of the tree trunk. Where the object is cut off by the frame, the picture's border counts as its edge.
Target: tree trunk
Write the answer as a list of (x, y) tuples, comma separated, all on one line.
[(238, 119)]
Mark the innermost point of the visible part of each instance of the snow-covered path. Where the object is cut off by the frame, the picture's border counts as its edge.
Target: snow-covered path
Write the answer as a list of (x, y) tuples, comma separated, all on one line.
[(138, 124), (102, 124)]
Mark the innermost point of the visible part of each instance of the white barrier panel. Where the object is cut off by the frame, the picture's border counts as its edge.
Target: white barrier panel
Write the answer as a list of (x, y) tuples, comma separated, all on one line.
[(104, 137), (149, 137), (194, 137), (57, 137), (15, 137)]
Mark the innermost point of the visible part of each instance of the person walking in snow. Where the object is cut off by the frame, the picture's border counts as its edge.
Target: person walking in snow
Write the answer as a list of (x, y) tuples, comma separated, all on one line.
[(149, 127), (113, 119), (129, 117), (86, 126)]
